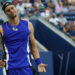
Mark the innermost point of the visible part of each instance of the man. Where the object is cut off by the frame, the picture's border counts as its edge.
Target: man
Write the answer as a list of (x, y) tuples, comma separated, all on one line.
[(21, 9), (54, 20), (16, 34), (62, 19)]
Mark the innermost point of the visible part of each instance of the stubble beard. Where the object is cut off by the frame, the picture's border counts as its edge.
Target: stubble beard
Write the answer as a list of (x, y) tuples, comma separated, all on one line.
[(13, 17)]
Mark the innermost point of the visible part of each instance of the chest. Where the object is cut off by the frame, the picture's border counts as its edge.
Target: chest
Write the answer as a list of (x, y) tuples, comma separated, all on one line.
[(18, 33)]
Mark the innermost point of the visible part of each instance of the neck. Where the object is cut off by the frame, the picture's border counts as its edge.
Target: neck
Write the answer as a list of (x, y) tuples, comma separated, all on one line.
[(14, 21)]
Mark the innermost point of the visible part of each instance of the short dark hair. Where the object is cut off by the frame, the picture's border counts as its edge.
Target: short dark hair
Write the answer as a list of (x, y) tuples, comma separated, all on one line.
[(6, 4)]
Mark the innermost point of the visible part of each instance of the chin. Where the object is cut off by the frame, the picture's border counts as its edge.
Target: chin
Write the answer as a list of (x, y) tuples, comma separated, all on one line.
[(14, 16)]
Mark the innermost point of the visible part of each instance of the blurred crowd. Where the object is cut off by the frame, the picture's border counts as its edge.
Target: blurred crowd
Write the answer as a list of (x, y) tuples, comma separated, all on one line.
[(49, 10)]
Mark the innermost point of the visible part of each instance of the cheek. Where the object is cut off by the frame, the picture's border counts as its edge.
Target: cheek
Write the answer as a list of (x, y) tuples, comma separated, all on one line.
[(15, 10), (8, 13)]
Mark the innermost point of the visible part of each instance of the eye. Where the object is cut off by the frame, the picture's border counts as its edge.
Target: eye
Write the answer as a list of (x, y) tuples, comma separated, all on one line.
[(8, 10)]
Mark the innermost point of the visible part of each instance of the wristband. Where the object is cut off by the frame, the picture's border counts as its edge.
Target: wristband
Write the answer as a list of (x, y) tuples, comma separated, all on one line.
[(38, 61)]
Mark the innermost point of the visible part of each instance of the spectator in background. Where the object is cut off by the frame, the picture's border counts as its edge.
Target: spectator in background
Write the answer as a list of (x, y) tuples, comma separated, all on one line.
[(65, 2), (62, 19), (66, 29), (48, 12), (45, 14), (23, 1), (65, 9), (59, 7), (21, 10), (51, 4), (27, 4), (38, 4), (28, 7), (72, 25), (72, 30), (15, 2), (72, 7), (51, 12), (47, 1), (56, 22), (55, 2)]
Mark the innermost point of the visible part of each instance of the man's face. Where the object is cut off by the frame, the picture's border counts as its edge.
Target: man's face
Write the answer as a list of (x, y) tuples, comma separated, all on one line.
[(11, 11), (61, 15)]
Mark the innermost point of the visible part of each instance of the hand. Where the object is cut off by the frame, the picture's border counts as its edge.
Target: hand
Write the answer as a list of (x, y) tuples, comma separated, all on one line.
[(2, 64), (41, 67)]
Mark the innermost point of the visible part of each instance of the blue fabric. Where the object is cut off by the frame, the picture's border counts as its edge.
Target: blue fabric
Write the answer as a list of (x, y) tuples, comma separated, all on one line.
[(38, 61), (1, 73), (16, 43), (20, 71), (72, 32)]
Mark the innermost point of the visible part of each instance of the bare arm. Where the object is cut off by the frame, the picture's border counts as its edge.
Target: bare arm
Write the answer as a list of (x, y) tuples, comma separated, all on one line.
[(1, 30), (34, 50), (32, 43), (2, 63)]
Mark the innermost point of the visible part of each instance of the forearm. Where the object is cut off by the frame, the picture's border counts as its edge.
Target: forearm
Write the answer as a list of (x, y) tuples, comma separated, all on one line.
[(33, 46), (36, 56), (35, 52)]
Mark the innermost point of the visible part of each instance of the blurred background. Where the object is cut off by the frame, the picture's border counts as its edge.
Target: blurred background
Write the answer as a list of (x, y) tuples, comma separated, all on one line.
[(54, 31)]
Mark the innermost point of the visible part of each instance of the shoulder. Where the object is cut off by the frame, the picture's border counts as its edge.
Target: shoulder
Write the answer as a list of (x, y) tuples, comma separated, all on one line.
[(1, 27), (25, 21), (4, 23), (30, 26)]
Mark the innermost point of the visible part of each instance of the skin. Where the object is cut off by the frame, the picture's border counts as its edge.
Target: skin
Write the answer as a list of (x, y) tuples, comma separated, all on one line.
[(61, 15), (11, 13)]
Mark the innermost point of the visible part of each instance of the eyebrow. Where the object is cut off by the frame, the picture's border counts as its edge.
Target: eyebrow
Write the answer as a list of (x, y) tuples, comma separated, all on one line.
[(9, 8)]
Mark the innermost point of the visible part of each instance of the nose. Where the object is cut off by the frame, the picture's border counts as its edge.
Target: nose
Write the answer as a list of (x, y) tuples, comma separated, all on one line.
[(12, 10)]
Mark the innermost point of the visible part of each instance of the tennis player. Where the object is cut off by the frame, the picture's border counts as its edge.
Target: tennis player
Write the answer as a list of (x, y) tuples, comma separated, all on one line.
[(16, 35)]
